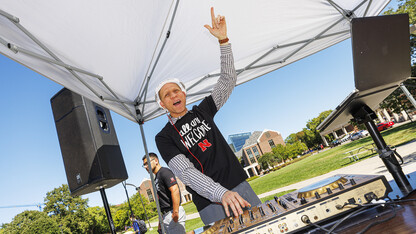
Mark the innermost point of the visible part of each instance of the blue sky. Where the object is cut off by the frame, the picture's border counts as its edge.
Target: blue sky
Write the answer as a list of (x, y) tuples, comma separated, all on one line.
[(30, 157)]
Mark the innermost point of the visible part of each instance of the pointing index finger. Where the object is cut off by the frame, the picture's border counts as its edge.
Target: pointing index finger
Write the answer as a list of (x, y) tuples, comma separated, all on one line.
[(214, 23)]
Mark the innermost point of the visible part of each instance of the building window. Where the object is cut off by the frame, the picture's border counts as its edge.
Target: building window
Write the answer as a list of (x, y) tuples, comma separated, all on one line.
[(238, 140), (149, 195), (271, 143), (250, 156), (256, 152)]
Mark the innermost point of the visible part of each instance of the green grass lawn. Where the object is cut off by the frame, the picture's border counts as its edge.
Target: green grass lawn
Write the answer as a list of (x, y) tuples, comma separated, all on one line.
[(328, 160)]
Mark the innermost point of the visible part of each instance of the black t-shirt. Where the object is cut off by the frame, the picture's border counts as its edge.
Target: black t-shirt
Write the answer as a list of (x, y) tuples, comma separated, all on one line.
[(163, 181), (206, 142)]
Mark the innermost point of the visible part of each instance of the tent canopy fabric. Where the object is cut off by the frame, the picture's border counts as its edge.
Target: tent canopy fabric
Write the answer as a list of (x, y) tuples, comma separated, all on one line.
[(116, 52)]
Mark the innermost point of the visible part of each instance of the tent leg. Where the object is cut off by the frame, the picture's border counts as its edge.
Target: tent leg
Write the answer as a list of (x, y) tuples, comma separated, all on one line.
[(152, 178)]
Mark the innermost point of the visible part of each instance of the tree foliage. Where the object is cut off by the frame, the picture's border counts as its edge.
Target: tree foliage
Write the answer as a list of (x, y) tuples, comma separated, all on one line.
[(32, 221), (122, 212), (70, 212), (267, 160), (309, 135), (281, 153), (65, 214), (99, 222)]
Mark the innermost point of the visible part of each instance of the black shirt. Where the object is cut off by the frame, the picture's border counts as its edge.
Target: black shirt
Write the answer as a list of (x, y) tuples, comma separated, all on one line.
[(205, 141), (163, 181)]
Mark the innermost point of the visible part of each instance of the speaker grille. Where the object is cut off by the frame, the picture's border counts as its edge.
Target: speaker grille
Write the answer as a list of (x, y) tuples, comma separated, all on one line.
[(88, 141)]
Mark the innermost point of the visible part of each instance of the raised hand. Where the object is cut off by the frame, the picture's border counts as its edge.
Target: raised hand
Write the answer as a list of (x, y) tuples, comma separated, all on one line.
[(219, 27)]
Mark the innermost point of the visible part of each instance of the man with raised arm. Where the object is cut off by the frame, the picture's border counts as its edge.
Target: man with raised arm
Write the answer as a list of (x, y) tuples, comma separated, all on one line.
[(194, 148)]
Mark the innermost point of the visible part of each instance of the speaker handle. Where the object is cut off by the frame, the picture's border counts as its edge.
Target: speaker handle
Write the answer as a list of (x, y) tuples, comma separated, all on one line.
[(102, 119)]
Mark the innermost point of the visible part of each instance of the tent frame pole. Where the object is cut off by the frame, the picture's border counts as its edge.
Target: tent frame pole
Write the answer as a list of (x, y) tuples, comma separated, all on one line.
[(159, 211), (140, 96)]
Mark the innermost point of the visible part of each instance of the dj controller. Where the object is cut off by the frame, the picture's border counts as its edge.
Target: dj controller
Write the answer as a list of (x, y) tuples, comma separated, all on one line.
[(316, 203)]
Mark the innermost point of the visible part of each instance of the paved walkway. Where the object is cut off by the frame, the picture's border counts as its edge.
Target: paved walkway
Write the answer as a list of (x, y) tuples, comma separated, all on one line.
[(370, 166)]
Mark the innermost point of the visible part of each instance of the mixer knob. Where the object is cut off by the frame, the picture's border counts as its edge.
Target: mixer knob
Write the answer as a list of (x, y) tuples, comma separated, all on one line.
[(276, 199), (341, 187), (229, 229), (261, 211), (231, 220), (303, 201), (328, 190), (250, 214), (241, 219), (317, 196), (352, 181)]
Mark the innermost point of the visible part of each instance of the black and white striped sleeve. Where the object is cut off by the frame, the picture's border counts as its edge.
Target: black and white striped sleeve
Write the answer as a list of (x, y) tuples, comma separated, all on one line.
[(200, 183), (228, 77)]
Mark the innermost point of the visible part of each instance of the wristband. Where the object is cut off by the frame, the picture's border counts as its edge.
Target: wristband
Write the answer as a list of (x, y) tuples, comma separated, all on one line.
[(223, 40)]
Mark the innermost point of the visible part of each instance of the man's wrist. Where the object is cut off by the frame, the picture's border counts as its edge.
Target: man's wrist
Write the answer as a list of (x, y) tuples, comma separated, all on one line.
[(218, 193), (223, 41)]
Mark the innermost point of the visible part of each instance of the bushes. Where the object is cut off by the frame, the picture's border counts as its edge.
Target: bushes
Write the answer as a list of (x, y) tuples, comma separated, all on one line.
[(252, 178)]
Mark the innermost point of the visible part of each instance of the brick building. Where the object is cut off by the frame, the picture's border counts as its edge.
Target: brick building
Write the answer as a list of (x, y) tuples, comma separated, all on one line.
[(146, 190), (255, 146)]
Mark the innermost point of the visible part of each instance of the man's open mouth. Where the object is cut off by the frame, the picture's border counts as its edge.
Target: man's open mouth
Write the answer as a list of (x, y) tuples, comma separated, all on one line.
[(177, 103)]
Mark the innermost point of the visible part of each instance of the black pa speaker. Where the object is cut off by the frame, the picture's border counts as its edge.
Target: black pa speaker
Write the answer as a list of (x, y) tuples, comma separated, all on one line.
[(89, 145)]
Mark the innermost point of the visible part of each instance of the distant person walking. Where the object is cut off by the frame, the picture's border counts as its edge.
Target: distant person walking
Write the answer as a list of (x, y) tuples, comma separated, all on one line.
[(135, 224), (169, 196)]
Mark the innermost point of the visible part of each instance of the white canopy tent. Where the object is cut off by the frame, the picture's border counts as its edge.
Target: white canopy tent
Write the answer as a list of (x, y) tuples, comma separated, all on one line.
[(116, 52)]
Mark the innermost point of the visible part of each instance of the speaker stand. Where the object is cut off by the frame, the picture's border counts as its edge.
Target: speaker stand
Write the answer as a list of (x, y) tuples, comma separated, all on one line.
[(107, 211), (364, 115)]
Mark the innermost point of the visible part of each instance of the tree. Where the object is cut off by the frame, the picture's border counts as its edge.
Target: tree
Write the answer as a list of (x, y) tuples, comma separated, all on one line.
[(267, 160), (32, 221), (309, 135), (296, 149), (292, 138), (99, 220), (122, 211), (280, 153), (70, 212), (314, 136)]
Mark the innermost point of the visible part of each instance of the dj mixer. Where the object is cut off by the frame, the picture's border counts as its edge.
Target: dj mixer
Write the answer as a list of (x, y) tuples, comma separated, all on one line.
[(316, 203)]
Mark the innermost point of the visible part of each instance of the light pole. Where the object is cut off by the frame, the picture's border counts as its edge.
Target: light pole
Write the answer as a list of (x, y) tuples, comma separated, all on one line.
[(128, 200), (138, 190)]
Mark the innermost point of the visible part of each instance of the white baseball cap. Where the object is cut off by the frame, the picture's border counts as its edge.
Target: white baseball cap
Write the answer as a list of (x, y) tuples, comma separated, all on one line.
[(172, 80)]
